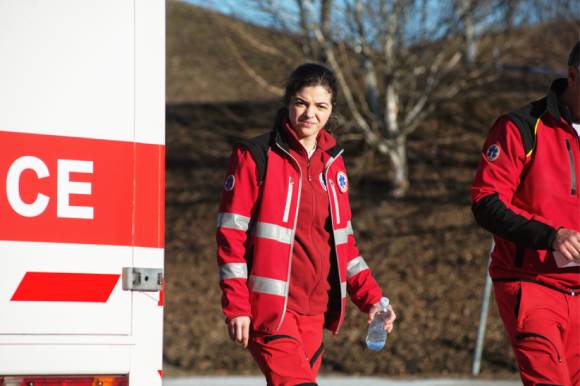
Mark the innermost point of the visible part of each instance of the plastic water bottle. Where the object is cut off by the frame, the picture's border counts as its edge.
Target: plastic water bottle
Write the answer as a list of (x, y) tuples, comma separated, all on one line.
[(376, 335)]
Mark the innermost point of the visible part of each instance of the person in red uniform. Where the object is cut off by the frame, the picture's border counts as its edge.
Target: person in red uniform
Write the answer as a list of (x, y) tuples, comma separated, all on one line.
[(526, 193), (286, 250)]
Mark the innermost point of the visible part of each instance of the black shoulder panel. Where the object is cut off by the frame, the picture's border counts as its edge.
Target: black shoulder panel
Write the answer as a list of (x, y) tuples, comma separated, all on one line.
[(525, 119), (335, 150), (259, 146)]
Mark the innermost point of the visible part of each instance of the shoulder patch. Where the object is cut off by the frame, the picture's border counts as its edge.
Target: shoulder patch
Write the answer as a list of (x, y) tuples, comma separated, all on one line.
[(492, 153), (229, 183), (342, 181)]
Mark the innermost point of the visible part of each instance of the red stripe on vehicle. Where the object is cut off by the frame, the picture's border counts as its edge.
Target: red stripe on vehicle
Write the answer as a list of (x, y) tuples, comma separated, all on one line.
[(126, 191), (65, 287), (160, 373)]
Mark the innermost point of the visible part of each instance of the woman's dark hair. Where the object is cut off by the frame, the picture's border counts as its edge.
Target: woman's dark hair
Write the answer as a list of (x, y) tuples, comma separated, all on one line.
[(574, 57), (309, 75)]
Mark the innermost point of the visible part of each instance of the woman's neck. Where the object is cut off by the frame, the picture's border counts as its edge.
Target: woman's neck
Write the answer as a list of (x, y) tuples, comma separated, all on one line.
[(309, 143)]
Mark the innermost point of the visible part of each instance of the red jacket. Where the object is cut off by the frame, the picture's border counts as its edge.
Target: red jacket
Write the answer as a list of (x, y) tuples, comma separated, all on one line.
[(308, 292), (523, 198), (256, 233)]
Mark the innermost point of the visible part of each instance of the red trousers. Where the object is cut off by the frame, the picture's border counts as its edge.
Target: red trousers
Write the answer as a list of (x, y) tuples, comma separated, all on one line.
[(291, 356), (544, 328)]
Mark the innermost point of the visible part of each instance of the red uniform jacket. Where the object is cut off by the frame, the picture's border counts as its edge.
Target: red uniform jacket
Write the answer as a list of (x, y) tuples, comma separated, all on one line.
[(256, 228), (523, 198)]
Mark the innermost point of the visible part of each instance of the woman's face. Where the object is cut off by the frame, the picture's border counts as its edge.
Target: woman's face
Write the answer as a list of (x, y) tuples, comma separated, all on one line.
[(310, 109)]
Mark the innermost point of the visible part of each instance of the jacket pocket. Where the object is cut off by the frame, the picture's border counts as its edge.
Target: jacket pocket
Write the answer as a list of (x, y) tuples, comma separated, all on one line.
[(517, 303), (269, 338), (288, 199), (572, 168)]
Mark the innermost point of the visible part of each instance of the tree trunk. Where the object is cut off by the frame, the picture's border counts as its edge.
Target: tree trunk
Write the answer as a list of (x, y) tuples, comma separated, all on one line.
[(509, 12), (325, 8), (466, 9), (306, 44), (399, 179)]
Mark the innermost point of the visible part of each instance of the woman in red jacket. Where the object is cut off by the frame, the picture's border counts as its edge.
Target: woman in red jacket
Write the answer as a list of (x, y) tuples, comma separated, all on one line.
[(286, 249)]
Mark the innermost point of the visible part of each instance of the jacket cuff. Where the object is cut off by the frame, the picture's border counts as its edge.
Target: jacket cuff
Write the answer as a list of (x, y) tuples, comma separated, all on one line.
[(370, 302), (552, 238)]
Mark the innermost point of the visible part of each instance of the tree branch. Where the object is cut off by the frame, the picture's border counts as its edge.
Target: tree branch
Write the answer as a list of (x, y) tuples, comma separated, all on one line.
[(371, 137)]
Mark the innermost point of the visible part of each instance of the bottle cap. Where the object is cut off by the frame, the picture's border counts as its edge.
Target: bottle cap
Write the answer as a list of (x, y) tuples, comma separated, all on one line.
[(385, 302)]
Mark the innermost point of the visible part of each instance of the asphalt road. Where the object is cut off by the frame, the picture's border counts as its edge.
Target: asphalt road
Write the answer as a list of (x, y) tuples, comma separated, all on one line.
[(334, 381)]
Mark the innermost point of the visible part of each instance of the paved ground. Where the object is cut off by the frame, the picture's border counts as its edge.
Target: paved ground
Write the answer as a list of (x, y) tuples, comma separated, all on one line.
[(333, 381)]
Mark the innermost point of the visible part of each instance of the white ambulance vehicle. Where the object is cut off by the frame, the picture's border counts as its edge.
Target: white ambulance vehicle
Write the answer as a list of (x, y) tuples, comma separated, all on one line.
[(81, 192)]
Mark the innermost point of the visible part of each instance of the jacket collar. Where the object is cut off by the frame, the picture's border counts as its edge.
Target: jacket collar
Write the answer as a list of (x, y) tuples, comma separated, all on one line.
[(554, 107)]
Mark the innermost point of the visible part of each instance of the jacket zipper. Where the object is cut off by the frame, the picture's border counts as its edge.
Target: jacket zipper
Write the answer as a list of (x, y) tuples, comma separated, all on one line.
[(572, 168), (293, 235), (524, 335), (326, 168), (336, 208), (288, 199)]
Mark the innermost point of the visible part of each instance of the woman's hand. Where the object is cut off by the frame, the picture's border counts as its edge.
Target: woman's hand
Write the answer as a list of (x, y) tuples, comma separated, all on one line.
[(391, 316), (239, 330)]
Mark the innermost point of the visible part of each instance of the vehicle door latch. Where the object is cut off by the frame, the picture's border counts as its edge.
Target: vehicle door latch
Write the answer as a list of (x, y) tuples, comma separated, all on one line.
[(142, 279)]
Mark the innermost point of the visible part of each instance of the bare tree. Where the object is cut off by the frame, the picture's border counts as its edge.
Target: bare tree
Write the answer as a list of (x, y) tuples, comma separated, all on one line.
[(465, 8), (396, 61), (509, 10), (396, 65)]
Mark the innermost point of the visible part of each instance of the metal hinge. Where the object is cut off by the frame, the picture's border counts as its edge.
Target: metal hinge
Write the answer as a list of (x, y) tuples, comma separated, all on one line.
[(142, 279)]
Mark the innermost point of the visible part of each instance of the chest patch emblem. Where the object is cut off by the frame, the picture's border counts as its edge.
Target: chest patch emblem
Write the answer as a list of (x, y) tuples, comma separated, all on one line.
[(492, 152), (230, 182), (342, 181), (322, 180)]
